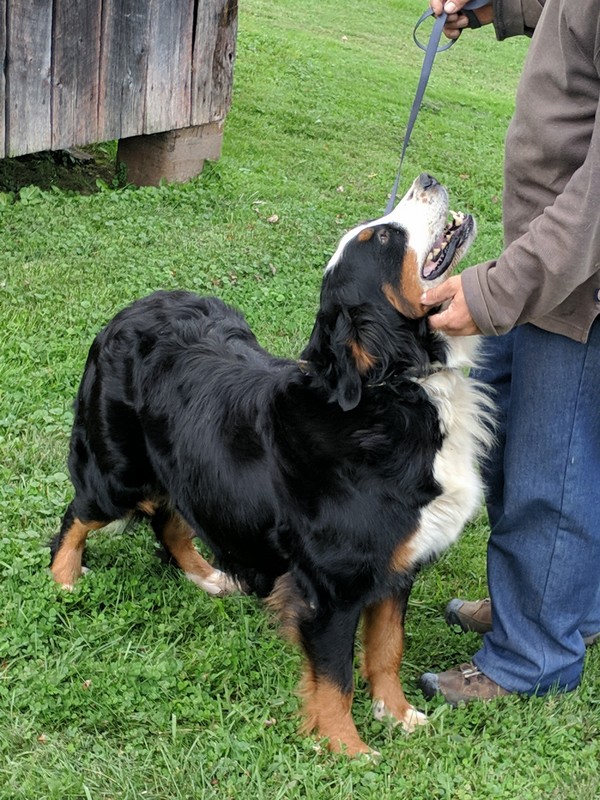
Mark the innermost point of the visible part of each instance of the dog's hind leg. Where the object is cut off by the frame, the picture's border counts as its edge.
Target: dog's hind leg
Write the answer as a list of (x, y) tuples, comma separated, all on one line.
[(383, 638), (177, 537), (67, 547)]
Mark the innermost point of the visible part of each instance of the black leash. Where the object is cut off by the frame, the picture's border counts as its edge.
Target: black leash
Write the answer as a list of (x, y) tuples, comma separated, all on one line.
[(431, 49)]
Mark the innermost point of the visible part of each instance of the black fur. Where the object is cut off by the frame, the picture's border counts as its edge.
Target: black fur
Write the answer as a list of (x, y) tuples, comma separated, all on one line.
[(317, 472)]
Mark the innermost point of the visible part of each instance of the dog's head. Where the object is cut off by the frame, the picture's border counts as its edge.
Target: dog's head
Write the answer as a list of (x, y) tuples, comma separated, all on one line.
[(371, 319)]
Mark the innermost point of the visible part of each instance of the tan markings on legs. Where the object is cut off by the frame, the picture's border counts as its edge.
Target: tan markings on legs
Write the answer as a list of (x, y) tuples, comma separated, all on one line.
[(406, 297), (177, 538), (148, 507), (288, 604), (327, 712), (66, 564), (383, 650)]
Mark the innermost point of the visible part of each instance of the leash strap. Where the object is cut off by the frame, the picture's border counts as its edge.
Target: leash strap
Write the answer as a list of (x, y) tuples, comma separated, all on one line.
[(431, 49)]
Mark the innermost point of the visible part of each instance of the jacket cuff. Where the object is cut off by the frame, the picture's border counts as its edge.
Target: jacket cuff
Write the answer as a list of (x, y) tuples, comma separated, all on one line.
[(474, 298), (516, 17)]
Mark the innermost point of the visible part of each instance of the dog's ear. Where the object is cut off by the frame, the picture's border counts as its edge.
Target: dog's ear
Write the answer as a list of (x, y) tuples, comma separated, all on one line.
[(337, 361)]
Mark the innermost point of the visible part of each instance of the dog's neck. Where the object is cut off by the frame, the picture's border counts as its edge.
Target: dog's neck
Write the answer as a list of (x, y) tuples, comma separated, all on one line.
[(412, 373)]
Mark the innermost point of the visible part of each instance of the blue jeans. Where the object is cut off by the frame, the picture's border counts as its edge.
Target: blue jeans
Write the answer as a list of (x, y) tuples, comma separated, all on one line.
[(543, 495)]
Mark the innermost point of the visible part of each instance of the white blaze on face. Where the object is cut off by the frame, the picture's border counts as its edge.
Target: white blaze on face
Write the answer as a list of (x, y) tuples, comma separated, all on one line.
[(421, 214)]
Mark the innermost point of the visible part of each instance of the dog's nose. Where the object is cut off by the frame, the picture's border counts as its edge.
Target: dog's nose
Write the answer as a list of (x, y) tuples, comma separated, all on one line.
[(427, 181)]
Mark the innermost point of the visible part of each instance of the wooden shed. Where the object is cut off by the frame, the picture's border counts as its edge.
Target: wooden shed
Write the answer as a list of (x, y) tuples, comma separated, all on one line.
[(154, 74)]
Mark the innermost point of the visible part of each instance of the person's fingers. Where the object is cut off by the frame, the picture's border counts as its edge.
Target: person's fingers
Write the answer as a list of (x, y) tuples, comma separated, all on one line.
[(444, 321), (439, 294), (452, 6), (456, 18), (455, 319), (457, 21)]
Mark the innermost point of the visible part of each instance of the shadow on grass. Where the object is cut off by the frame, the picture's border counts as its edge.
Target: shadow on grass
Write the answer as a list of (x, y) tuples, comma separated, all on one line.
[(77, 170)]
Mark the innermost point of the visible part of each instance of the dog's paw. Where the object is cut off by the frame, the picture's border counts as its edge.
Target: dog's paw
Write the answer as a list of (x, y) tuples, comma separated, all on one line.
[(413, 719), (70, 585), (410, 719), (217, 583)]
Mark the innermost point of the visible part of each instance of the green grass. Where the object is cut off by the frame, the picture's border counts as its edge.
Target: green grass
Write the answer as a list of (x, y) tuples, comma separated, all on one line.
[(137, 685)]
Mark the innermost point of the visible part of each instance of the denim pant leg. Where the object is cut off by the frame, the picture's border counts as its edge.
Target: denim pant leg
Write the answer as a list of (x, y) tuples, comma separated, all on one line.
[(544, 548), (495, 375)]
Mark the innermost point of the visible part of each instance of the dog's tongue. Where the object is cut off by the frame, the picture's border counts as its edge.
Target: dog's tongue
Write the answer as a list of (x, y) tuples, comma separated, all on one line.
[(428, 269)]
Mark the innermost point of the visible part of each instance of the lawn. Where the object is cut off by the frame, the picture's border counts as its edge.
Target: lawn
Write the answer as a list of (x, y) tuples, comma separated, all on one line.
[(137, 685)]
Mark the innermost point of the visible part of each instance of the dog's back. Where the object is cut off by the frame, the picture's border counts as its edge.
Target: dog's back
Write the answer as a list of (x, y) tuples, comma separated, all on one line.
[(171, 409)]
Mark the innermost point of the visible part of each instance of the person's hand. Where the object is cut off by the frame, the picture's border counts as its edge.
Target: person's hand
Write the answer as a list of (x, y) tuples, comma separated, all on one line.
[(457, 20), (456, 319)]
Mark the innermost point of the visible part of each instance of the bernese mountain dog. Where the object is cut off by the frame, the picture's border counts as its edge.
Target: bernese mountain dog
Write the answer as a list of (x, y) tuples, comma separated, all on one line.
[(322, 483)]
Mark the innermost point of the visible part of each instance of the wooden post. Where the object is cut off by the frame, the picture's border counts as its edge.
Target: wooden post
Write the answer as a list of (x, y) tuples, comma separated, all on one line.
[(174, 156)]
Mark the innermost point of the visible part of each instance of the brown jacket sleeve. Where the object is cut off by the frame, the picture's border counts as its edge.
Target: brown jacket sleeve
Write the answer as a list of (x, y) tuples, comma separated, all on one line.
[(543, 267), (549, 272)]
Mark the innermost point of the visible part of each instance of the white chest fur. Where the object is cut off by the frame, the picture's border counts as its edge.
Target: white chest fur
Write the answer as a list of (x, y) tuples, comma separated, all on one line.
[(465, 415)]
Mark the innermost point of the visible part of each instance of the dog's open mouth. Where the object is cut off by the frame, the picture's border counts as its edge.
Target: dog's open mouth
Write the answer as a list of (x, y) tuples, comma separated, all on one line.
[(448, 249)]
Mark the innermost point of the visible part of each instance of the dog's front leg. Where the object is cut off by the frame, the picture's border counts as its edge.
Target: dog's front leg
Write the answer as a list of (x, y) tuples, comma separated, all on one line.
[(383, 650), (327, 685)]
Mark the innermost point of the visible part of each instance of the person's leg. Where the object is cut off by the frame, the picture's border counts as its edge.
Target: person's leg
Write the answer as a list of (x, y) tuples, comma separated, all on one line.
[(590, 629), (544, 549), (494, 373)]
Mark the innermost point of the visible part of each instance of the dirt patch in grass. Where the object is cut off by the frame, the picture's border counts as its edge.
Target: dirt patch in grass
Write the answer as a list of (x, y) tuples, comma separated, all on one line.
[(72, 170)]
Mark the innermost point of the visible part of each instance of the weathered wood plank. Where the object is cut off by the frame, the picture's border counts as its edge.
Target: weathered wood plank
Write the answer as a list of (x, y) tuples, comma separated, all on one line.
[(169, 73), (28, 79), (2, 77), (123, 67), (214, 56), (76, 55)]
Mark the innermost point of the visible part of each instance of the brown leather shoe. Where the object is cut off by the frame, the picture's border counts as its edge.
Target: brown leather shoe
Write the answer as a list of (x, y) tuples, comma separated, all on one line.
[(461, 684), (476, 616), (470, 615)]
